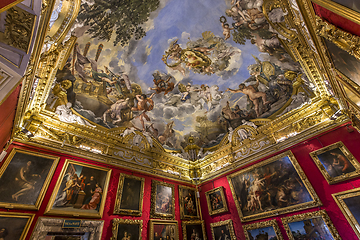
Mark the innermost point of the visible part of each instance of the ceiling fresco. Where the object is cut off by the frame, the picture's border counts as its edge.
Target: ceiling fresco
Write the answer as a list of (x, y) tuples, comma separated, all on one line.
[(174, 69)]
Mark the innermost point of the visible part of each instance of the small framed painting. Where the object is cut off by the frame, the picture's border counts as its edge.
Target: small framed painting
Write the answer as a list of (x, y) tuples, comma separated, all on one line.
[(129, 198), (163, 229), (223, 230), (15, 225), (194, 229), (80, 190), (216, 201), (310, 225), (336, 163), (263, 230), (162, 200), (126, 229), (188, 203)]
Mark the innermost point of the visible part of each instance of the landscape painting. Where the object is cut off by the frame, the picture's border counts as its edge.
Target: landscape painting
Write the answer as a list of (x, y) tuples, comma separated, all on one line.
[(177, 69)]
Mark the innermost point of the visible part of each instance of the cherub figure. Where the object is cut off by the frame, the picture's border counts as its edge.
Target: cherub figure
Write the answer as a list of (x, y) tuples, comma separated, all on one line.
[(226, 30), (162, 85)]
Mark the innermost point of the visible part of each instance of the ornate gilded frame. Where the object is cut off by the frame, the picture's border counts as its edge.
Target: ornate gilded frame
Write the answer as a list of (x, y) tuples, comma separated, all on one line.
[(119, 195), (117, 221), (314, 203), (49, 176), (339, 199), (347, 154), (20, 215), (228, 223), (155, 214), (223, 199), (153, 222), (310, 215), (182, 204), (80, 213), (193, 222), (258, 225)]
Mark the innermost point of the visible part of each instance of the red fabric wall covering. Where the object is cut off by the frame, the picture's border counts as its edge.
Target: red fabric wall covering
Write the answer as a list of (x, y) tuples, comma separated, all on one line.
[(337, 20), (322, 188), (4, 3), (111, 195), (7, 115)]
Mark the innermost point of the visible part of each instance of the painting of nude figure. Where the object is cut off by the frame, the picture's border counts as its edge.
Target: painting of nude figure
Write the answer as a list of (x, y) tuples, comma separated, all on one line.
[(271, 187)]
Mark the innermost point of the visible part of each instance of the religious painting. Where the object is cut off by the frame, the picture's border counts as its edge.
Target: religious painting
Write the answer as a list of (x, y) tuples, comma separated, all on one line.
[(274, 186), (311, 226), (15, 225), (24, 178), (162, 200), (336, 163), (173, 76), (194, 229), (129, 198), (126, 229), (161, 229), (263, 230), (223, 230), (348, 202), (80, 190), (188, 202), (216, 201)]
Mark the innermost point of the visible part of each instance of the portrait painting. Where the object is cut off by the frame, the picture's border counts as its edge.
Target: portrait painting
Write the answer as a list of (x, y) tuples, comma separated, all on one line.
[(15, 225), (188, 202), (223, 230), (310, 226), (274, 186), (216, 201), (129, 198), (336, 163), (348, 202), (24, 178), (194, 229), (80, 190), (268, 230), (163, 230), (162, 200), (126, 229)]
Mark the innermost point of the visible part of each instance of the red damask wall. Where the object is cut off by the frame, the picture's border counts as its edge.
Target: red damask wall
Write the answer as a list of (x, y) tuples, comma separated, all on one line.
[(322, 188)]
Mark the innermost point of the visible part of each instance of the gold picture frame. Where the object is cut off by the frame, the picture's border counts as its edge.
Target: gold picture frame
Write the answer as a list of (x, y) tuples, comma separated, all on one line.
[(130, 229), (343, 200), (281, 171), (323, 157), (171, 228), (195, 226), (19, 181), (223, 228), (271, 224), (95, 207), (162, 200), (134, 183), (308, 222), (212, 197), (189, 203), (8, 221)]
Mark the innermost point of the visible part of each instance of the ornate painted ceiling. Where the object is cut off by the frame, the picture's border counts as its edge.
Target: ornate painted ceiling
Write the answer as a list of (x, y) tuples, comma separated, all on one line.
[(157, 83)]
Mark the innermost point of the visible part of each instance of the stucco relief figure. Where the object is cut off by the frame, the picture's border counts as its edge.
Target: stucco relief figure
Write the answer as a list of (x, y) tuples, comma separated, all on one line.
[(66, 115)]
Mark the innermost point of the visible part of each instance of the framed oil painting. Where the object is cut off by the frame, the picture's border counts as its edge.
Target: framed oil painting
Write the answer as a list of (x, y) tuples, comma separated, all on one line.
[(188, 203), (336, 163), (348, 202), (126, 229), (263, 230), (163, 229), (162, 200), (24, 179), (216, 201), (310, 225), (194, 229), (15, 225), (80, 190), (223, 230), (274, 186), (129, 198)]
